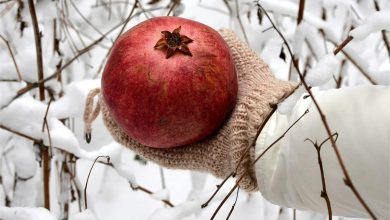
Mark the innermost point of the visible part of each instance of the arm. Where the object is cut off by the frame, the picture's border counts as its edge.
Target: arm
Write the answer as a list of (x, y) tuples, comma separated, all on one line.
[(289, 174)]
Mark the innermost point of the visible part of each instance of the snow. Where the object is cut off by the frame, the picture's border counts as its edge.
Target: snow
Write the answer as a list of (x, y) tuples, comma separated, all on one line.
[(323, 71), (288, 104), (161, 195), (377, 21), (84, 215), (109, 192), (25, 213)]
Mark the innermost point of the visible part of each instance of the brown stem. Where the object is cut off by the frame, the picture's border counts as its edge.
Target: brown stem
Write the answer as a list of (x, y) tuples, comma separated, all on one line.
[(384, 37), (143, 189), (216, 191), (240, 22), (38, 47), (119, 34), (13, 57), (39, 57), (173, 6), (386, 40), (360, 68), (340, 78), (234, 205), (89, 174), (324, 193), (265, 151), (301, 11), (347, 180), (342, 45), (58, 71)]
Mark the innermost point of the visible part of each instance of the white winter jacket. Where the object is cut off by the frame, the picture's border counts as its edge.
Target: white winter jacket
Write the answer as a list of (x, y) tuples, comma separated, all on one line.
[(289, 174)]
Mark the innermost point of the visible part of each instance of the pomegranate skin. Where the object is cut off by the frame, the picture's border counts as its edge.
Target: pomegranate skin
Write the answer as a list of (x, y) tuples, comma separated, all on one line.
[(164, 103)]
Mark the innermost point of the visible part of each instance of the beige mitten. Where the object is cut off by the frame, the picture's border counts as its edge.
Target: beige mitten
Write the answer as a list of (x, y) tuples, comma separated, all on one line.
[(220, 154)]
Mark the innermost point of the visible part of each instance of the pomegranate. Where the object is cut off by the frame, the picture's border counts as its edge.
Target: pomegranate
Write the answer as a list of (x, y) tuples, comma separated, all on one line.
[(169, 82)]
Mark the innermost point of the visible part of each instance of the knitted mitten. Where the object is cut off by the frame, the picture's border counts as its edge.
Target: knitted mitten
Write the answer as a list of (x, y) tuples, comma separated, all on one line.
[(231, 148)]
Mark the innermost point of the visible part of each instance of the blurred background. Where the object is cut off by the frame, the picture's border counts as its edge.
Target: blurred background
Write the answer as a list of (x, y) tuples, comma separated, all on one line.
[(44, 159)]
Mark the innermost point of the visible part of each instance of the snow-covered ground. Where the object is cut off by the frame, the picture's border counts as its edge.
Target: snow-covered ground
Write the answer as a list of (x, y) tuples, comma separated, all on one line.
[(109, 194)]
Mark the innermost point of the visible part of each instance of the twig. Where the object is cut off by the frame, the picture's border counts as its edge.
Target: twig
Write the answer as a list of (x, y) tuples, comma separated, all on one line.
[(84, 18), (89, 174), (340, 78), (240, 22), (13, 57), (347, 179), (324, 193), (39, 57), (233, 174), (234, 204), (143, 189), (19, 133), (38, 47), (59, 70), (118, 35), (301, 11), (360, 68), (265, 151), (216, 191), (342, 45), (172, 7), (384, 37)]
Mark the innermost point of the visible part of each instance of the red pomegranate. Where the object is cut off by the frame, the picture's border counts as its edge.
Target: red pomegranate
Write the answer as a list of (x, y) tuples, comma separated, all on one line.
[(169, 82)]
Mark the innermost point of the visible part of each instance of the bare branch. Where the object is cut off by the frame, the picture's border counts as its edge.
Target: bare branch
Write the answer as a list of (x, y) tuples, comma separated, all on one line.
[(348, 180), (324, 193), (38, 47), (143, 189), (342, 45), (301, 11), (89, 174), (255, 161), (384, 37), (13, 58)]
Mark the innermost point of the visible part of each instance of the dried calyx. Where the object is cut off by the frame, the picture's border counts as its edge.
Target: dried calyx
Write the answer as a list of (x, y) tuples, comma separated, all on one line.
[(174, 42)]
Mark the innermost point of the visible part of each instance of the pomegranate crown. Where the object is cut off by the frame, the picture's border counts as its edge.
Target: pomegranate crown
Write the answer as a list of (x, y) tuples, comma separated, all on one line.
[(174, 42)]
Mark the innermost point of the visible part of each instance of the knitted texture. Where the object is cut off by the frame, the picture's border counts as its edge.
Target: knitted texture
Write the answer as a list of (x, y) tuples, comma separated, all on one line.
[(220, 154)]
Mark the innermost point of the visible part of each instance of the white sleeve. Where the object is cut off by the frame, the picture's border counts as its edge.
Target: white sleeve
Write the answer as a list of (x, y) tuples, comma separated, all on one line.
[(289, 174)]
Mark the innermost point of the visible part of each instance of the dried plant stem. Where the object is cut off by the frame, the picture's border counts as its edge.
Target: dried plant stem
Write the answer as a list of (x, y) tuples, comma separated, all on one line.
[(118, 35), (38, 47), (342, 45), (253, 144), (89, 174), (60, 69), (384, 37), (13, 57), (143, 189), (301, 11), (173, 6), (386, 41), (324, 193), (255, 161), (216, 191), (347, 180), (234, 205), (39, 57), (233, 174), (240, 22), (360, 68)]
